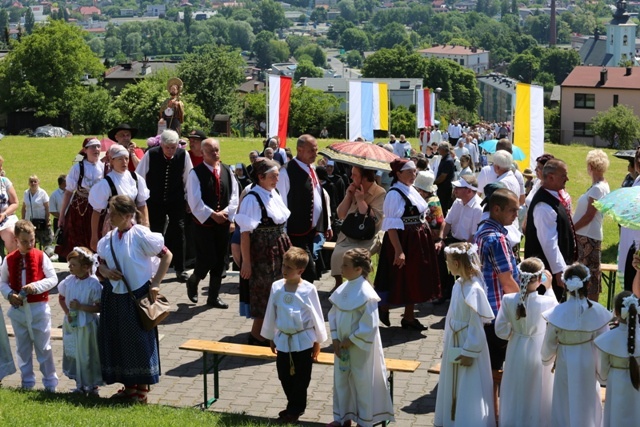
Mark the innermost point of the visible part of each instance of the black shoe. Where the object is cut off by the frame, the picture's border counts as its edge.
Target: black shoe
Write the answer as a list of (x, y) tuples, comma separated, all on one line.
[(192, 288), (182, 276), (383, 315), (217, 303), (413, 325), (439, 301)]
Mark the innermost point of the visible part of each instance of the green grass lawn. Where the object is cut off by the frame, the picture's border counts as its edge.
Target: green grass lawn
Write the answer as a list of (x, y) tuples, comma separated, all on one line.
[(20, 408)]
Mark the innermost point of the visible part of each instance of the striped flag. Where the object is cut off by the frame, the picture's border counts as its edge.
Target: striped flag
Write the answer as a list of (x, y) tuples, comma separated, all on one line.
[(279, 97), (425, 108), (528, 126), (368, 109)]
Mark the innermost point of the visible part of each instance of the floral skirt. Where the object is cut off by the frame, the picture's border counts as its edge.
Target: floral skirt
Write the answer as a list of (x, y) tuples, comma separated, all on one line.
[(589, 254)]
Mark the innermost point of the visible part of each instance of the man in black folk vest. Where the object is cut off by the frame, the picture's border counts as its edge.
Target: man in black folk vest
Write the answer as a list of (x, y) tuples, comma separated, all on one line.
[(165, 169), (212, 193), (550, 235), (301, 191)]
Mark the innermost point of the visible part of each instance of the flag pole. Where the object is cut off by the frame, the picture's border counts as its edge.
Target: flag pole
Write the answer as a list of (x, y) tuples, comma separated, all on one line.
[(389, 111), (347, 114), (267, 103)]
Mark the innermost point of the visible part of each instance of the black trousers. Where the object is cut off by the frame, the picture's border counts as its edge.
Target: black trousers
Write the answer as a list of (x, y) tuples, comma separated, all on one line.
[(629, 271), (295, 386), (211, 252), (306, 242), (169, 221)]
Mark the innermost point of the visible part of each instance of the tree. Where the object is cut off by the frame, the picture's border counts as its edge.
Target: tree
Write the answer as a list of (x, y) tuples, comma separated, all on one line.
[(307, 69), (271, 15), (524, 67), (268, 50), (112, 47), (354, 39), (348, 11), (354, 59), (559, 63), (188, 20), (394, 63), (4, 25), (619, 126), (241, 35), (97, 46), (403, 121), (213, 73), (319, 15), (392, 35), (28, 81), (316, 54), (29, 21), (92, 112), (308, 107)]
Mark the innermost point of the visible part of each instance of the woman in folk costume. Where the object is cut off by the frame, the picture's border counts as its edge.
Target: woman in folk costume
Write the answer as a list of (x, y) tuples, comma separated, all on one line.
[(408, 268), (568, 341), (360, 387), (526, 387), (619, 357), (465, 387)]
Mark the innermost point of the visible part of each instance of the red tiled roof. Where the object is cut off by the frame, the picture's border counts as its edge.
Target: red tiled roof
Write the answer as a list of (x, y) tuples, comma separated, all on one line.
[(451, 50), (585, 76), (88, 10)]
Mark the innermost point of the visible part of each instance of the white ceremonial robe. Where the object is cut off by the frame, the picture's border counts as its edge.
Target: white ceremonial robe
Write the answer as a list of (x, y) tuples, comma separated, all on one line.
[(622, 402), (360, 394), (571, 329), (465, 393), (81, 359), (7, 367), (524, 374)]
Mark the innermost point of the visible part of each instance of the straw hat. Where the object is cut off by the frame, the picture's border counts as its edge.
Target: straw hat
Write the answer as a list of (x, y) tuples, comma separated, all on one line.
[(424, 181)]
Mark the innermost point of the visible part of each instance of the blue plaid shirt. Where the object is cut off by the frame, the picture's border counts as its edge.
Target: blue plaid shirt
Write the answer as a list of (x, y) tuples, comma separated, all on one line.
[(496, 257)]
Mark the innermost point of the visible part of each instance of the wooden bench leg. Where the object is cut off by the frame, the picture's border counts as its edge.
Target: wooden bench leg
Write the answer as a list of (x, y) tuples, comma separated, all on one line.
[(216, 387)]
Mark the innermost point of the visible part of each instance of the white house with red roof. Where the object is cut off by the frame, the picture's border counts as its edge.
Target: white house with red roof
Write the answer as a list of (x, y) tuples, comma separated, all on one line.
[(473, 58)]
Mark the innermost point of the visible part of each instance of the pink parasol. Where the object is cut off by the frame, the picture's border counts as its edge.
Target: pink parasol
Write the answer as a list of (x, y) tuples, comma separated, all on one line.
[(362, 154)]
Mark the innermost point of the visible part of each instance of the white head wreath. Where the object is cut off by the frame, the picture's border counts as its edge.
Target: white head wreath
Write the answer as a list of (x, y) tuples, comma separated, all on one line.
[(91, 256), (525, 279), (574, 283), (473, 250), (627, 302)]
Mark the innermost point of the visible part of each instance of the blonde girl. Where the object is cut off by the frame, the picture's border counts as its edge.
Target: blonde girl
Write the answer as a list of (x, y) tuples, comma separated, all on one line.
[(465, 388), (619, 356), (360, 388), (79, 297), (520, 322)]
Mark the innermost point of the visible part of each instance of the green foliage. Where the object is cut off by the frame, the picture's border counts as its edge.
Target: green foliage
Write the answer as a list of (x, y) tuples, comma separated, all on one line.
[(92, 111), (354, 59), (338, 26), (552, 124), (271, 15), (319, 15), (316, 54), (391, 35), (294, 42), (545, 80), (269, 50), (403, 121), (618, 125), (213, 74), (241, 35), (524, 67), (306, 68), (559, 63), (255, 107), (28, 81), (29, 21), (308, 106), (355, 39)]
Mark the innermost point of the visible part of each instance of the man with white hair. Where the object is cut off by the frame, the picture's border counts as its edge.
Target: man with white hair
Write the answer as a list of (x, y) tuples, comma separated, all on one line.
[(166, 169)]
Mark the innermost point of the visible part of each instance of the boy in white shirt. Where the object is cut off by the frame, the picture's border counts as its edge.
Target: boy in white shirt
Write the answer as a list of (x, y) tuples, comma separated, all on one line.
[(295, 327)]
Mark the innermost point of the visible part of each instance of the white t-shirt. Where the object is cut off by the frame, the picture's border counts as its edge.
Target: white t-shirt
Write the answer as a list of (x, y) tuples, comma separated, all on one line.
[(35, 204), (592, 230)]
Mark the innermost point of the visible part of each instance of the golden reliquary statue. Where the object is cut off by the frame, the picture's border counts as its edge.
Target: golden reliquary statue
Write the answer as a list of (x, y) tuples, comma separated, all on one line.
[(172, 109)]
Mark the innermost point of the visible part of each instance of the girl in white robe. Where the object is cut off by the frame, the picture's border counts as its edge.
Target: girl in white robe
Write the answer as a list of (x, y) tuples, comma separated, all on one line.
[(619, 359), (79, 297), (7, 367), (520, 322), (465, 388), (360, 387), (571, 329)]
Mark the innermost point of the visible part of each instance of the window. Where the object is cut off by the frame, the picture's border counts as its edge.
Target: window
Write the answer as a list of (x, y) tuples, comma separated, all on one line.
[(462, 61), (584, 100), (615, 100), (582, 129), (624, 40)]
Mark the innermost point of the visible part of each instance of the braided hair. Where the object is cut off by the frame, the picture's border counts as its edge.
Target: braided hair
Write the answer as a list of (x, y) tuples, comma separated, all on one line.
[(626, 306), (531, 269)]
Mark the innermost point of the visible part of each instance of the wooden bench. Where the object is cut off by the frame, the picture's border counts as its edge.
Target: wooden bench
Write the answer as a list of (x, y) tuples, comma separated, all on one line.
[(219, 350), (329, 246), (609, 276)]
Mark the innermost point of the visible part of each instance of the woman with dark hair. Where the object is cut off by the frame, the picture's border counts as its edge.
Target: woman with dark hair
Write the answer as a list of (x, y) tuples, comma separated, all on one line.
[(365, 197), (261, 217), (408, 267), (75, 210), (128, 353)]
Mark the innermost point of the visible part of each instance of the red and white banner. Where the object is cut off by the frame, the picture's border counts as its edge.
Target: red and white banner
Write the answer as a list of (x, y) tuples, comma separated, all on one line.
[(279, 97), (425, 108)]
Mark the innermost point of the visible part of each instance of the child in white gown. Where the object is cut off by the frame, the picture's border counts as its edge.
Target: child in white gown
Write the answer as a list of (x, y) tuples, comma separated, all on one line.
[(520, 322), (465, 388), (571, 328), (619, 357)]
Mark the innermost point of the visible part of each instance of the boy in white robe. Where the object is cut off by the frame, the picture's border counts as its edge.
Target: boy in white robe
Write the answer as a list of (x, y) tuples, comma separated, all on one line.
[(294, 325), (571, 328), (360, 388)]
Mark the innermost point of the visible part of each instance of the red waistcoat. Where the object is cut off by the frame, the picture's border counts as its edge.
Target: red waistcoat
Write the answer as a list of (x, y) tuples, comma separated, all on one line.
[(33, 268)]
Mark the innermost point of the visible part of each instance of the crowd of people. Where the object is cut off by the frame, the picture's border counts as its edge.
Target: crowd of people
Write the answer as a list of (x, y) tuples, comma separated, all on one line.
[(447, 226)]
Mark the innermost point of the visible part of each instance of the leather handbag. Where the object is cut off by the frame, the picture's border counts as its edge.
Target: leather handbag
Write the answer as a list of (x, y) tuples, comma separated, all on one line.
[(151, 314), (358, 226)]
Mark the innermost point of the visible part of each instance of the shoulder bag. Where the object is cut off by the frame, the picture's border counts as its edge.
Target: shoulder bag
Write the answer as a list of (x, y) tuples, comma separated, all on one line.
[(151, 314), (358, 226)]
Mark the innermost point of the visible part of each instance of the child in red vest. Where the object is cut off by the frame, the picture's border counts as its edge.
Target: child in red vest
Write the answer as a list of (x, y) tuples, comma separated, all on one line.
[(26, 276)]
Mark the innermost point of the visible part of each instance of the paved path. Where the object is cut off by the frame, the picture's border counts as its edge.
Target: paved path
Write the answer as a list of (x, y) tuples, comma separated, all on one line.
[(251, 386)]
